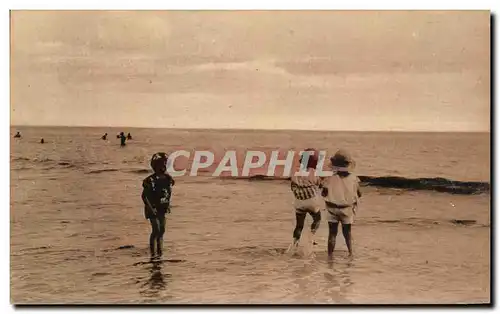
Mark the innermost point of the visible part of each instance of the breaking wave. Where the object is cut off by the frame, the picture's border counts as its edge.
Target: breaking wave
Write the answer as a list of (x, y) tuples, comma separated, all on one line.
[(431, 184)]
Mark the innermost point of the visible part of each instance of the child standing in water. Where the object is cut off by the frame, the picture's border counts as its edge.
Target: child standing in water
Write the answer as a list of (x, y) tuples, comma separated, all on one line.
[(341, 193), (306, 192), (157, 189)]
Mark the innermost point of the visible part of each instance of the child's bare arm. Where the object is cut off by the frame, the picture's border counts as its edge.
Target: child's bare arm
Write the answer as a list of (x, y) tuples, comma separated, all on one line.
[(358, 190), (146, 199), (171, 179), (148, 204)]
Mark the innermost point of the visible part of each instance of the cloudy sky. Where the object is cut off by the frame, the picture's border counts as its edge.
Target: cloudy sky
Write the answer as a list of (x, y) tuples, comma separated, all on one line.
[(318, 70)]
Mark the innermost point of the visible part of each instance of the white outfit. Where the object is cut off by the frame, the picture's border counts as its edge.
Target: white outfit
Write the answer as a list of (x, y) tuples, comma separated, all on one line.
[(342, 198)]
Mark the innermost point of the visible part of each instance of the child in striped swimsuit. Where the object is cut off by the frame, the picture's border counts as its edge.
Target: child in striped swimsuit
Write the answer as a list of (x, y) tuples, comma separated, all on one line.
[(307, 196)]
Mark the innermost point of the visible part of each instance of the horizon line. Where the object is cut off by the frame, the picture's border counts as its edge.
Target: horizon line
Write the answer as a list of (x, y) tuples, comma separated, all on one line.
[(247, 129)]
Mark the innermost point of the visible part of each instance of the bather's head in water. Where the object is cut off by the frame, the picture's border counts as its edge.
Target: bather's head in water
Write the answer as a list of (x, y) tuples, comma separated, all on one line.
[(122, 139)]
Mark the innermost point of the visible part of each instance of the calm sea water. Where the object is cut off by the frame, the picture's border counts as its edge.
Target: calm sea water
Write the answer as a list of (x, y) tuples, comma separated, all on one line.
[(78, 234)]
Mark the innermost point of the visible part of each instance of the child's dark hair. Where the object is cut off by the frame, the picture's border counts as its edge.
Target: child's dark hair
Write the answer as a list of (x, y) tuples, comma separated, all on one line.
[(159, 162)]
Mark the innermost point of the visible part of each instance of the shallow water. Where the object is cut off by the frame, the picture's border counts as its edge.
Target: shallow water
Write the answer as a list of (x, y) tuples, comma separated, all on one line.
[(78, 234)]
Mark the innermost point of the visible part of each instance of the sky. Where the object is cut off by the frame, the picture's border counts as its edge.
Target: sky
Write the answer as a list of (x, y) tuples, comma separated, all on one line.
[(311, 70)]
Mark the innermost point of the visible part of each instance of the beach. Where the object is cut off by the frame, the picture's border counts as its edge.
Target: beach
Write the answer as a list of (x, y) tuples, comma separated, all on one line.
[(78, 233)]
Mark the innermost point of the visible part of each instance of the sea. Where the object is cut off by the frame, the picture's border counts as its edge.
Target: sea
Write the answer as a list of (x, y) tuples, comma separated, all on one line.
[(78, 234)]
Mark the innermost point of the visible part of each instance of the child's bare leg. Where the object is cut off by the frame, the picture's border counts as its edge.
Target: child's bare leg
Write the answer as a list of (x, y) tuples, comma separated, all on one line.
[(161, 232), (333, 228), (346, 231), (152, 240), (300, 218), (315, 224), (153, 237)]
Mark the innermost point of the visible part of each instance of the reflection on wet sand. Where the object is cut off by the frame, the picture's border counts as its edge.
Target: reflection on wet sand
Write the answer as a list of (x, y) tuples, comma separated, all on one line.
[(316, 278), (303, 279), (157, 281), (338, 280)]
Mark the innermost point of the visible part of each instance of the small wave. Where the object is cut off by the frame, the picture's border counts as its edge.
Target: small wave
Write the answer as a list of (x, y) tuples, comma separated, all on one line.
[(36, 159), (241, 248), (124, 247), (21, 159), (52, 164), (256, 251), (463, 222), (101, 170), (37, 248), (257, 177), (21, 168), (139, 171), (414, 221), (63, 166), (67, 165), (408, 221), (43, 160), (75, 258)]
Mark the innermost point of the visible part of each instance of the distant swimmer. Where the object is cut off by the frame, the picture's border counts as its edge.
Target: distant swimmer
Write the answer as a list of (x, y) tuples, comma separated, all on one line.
[(307, 195), (42, 141), (105, 136), (18, 135), (157, 190), (123, 139), (129, 137), (341, 194)]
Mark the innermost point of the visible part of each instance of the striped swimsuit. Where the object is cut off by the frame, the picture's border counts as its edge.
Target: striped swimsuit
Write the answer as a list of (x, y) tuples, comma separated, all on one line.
[(306, 190)]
